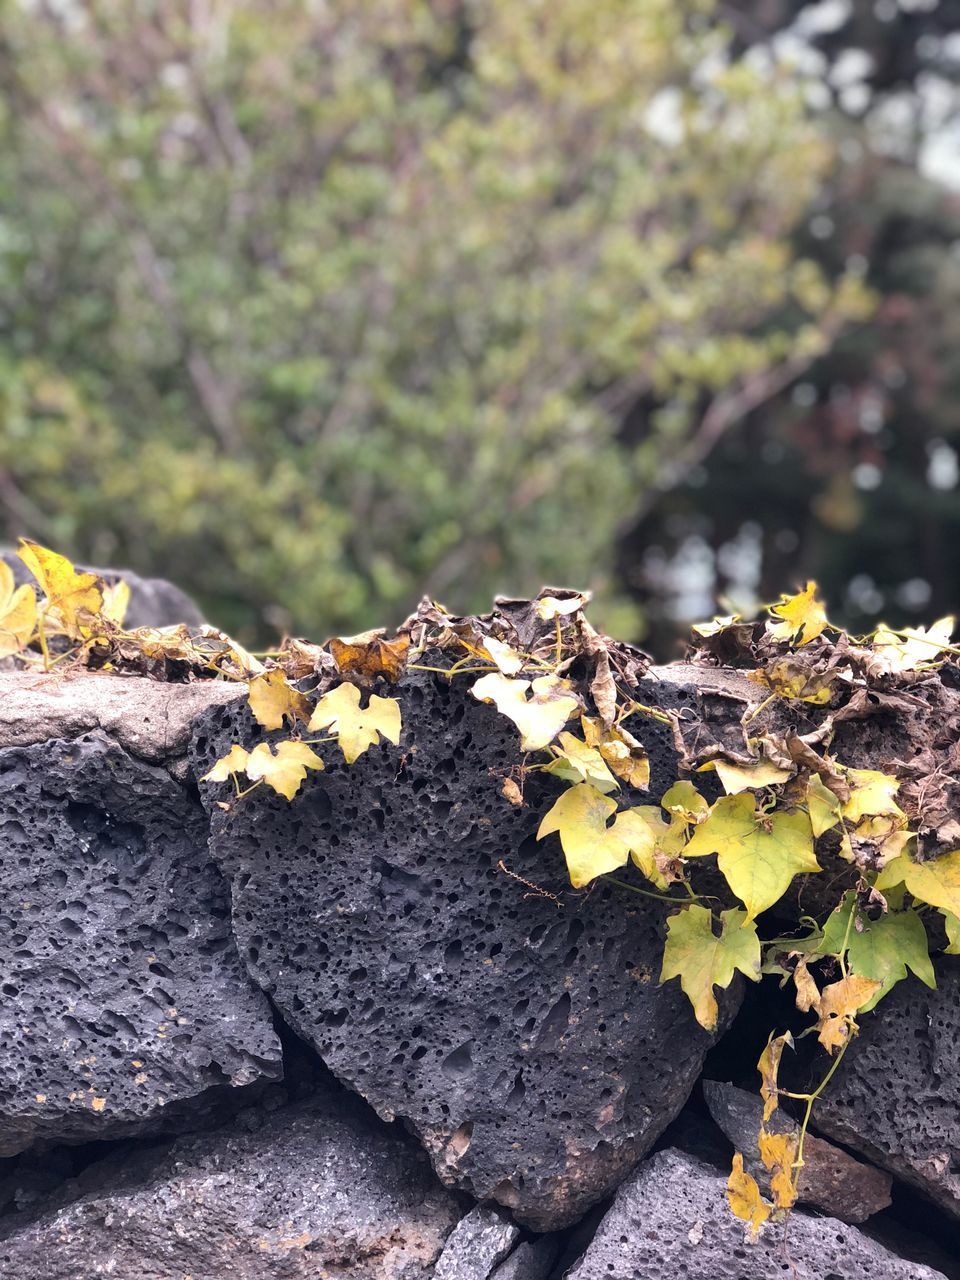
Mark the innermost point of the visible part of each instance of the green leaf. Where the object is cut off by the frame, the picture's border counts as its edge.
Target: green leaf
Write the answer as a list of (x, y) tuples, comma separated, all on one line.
[(936, 882), (952, 925), (703, 960), (758, 856), (885, 949), (591, 848), (575, 761)]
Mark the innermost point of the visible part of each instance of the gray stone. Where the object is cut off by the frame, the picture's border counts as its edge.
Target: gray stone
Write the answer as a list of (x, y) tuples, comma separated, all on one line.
[(154, 602), (320, 1190), (672, 1219), (830, 1180), (520, 1031), (125, 1007), (531, 1260), (895, 1098), (475, 1246)]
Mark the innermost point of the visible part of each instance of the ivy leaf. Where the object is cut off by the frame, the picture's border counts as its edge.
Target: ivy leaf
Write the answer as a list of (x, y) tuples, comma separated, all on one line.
[(18, 613), (715, 625), (915, 649), (574, 761), (838, 1003), (952, 926), (549, 607), (792, 677), (539, 716), (620, 749), (936, 881), (802, 617), (273, 699), (884, 949), (285, 770), (747, 777), (778, 1152), (685, 800), (822, 806), (116, 601), (235, 761), (769, 1068), (591, 848), (872, 794), (508, 660), (702, 959), (653, 843), (745, 1198), (758, 856), (77, 597), (356, 730), (369, 655)]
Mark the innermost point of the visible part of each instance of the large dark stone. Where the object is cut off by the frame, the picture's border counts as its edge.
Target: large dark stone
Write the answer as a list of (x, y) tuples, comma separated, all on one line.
[(125, 1007), (154, 602), (524, 1037), (321, 1189), (672, 1219), (896, 1096)]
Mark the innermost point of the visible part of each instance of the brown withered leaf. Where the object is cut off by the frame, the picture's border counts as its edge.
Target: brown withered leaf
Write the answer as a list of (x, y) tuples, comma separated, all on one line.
[(369, 654), (299, 658)]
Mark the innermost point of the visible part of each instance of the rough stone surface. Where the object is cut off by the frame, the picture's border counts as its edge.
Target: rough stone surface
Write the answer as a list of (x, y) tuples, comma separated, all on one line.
[(531, 1260), (125, 1007), (831, 1179), (896, 1096), (154, 602), (320, 1190), (150, 719), (525, 1038), (672, 1219), (477, 1243)]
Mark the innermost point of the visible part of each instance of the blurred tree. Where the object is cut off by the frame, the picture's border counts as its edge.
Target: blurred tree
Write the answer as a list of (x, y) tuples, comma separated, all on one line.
[(315, 306), (850, 474)]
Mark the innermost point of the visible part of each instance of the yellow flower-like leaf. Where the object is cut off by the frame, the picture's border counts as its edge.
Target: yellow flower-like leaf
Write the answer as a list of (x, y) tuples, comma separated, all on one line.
[(745, 1198), (77, 597), (936, 881), (285, 769), (273, 699), (591, 848), (539, 708), (235, 761), (915, 648), (802, 617), (620, 749), (18, 613), (356, 729), (838, 1003), (702, 959), (747, 777), (758, 856), (574, 761), (769, 1068), (871, 794)]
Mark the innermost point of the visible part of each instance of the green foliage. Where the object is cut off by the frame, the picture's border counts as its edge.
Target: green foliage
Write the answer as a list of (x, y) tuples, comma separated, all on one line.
[(328, 305)]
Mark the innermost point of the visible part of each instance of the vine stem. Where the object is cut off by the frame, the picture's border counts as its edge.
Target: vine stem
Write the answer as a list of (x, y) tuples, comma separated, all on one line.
[(447, 671), (647, 893)]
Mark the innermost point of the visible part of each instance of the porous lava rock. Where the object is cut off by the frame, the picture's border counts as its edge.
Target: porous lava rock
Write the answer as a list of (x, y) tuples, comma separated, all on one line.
[(125, 1006), (319, 1189), (406, 923), (895, 1097), (154, 602), (478, 1242), (672, 1219)]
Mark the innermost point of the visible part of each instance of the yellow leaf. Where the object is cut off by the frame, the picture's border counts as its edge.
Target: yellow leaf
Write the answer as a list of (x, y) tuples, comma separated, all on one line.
[(591, 848), (368, 654), (116, 601), (549, 607), (574, 761), (743, 777), (539, 716), (769, 1068), (808, 993), (77, 597), (620, 749), (952, 926), (285, 770), (802, 616), (822, 805), (356, 730), (653, 843), (235, 761), (790, 677), (838, 1003), (702, 959), (18, 613), (915, 649), (758, 855), (936, 881), (745, 1199), (273, 699), (715, 624), (685, 800), (871, 793), (778, 1152), (508, 660)]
